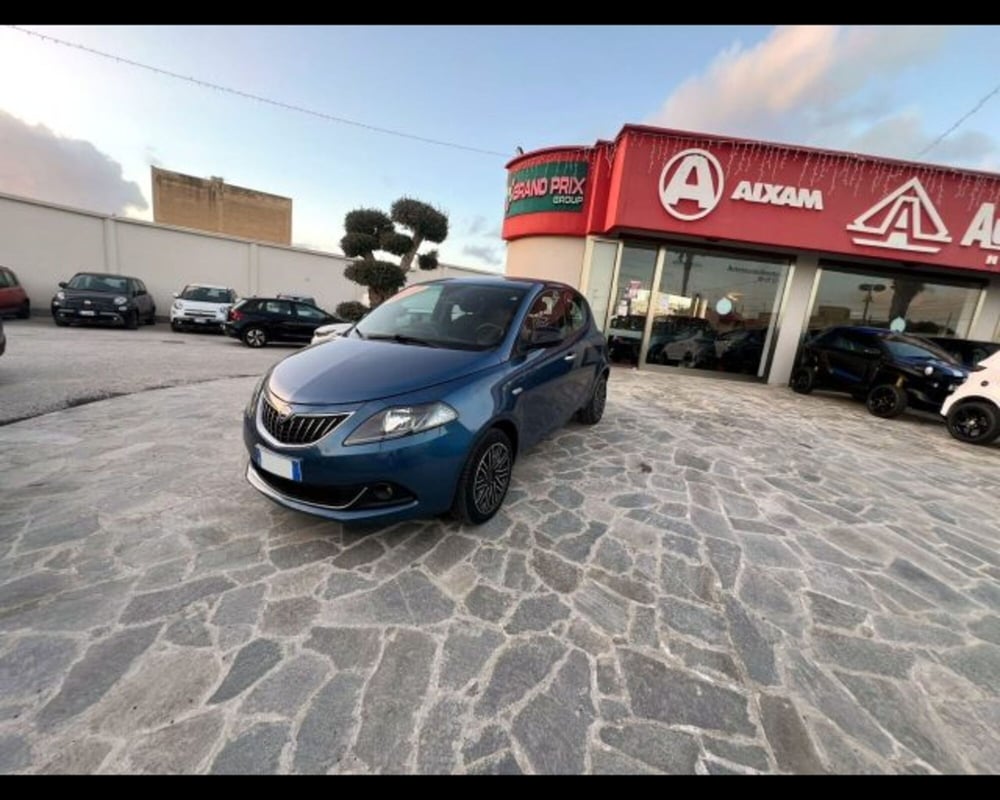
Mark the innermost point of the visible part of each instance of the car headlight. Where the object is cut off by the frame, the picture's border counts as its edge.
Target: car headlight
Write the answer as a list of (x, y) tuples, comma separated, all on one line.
[(60, 295), (178, 305), (120, 301), (402, 421), (252, 405)]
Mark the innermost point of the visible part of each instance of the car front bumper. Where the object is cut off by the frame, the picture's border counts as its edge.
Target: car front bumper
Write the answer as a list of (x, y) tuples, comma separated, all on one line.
[(184, 320), (89, 315), (341, 483)]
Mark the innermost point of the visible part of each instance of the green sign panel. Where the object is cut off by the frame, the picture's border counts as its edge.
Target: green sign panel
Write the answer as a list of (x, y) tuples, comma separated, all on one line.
[(555, 186)]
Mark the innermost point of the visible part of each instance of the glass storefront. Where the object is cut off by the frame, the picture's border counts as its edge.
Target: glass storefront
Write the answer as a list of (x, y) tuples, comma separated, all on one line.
[(908, 302), (686, 307)]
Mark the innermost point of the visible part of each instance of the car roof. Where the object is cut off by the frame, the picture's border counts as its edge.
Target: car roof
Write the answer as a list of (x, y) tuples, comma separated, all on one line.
[(497, 280), (207, 286), (106, 275)]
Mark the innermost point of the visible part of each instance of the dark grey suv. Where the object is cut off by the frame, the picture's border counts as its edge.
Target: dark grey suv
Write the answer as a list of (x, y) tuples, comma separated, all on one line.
[(99, 297)]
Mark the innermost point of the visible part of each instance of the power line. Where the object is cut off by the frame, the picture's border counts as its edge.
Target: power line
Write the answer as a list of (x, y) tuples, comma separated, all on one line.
[(961, 119), (258, 98)]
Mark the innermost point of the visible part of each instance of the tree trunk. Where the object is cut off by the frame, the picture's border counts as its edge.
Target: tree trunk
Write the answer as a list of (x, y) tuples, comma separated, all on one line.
[(904, 290), (407, 259)]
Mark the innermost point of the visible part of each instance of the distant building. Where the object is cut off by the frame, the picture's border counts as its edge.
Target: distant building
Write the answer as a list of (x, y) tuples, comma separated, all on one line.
[(215, 206)]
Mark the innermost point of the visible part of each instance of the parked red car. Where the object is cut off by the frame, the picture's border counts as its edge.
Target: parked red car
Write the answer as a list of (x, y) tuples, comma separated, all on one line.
[(13, 299)]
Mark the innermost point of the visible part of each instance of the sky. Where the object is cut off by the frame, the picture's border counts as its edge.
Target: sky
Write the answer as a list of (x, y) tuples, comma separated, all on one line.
[(83, 130)]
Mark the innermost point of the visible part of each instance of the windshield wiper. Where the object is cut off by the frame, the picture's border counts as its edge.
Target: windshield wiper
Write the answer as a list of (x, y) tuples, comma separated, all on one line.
[(401, 339)]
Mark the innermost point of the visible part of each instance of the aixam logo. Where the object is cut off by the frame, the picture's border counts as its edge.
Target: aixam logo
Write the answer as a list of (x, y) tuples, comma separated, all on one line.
[(691, 176), (901, 221)]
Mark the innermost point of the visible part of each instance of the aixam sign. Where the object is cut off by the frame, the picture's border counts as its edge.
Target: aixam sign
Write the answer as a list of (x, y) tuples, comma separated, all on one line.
[(553, 186), (692, 183)]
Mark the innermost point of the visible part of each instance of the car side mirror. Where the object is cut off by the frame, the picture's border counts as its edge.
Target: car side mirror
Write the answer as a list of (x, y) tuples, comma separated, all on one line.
[(177, 294), (62, 284), (545, 337)]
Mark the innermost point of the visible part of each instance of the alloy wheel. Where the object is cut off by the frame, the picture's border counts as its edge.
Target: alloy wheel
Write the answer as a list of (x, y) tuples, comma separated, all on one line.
[(971, 422), (491, 479), (883, 400), (256, 337)]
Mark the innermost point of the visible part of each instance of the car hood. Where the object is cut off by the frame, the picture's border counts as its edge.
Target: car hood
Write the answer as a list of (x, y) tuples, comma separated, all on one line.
[(354, 370), (87, 294), (939, 365)]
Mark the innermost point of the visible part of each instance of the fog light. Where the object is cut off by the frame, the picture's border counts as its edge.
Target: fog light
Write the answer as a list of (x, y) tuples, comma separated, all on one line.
[(382, 492)]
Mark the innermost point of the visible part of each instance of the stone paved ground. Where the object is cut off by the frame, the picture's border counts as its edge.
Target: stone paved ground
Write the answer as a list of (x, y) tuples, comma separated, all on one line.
[(718, 578)]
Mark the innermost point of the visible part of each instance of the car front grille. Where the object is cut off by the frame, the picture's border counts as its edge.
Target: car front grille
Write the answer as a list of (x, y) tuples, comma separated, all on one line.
[(297, 429)]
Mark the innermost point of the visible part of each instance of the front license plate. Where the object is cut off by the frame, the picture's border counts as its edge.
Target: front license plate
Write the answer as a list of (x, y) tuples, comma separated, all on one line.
[(201, 321), (88, 313), (288, 468)]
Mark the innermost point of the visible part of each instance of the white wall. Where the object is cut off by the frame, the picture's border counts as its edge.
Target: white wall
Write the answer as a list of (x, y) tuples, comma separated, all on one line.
[(45, 244), (555, 258)]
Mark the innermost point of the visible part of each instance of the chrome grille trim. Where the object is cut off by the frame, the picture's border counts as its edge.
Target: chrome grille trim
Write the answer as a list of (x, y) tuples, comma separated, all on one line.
[(295, 430)]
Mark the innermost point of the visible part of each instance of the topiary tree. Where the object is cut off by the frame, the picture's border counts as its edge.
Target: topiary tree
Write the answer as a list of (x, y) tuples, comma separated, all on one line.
[(369, 230), (351, 311)]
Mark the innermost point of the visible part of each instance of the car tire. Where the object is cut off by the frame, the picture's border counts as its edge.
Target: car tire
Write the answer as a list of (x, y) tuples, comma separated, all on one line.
[(591, 413), (803, 380), (254, 336), (25, 310), (485, 479), (175, 326), (886, 400), (152, 317), (60, 322), (132, 320), (974, 422)]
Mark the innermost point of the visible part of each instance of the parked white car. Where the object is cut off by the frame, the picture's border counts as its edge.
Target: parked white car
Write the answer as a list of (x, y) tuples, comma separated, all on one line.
[(326, 332), (200, 305), (973, 409)]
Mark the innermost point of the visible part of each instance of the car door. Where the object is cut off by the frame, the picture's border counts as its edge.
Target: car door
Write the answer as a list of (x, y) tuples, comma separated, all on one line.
[(279, 320), (584, 358), (7, 294), (852, 357), (544, 379), (307, 319)]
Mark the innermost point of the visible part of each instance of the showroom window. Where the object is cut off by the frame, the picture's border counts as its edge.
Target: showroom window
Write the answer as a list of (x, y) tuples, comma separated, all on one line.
[(911, 303), (715, 310)]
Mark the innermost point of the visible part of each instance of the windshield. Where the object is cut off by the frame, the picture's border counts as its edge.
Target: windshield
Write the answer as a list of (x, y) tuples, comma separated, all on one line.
[(98, 283), (900, 348), (453, 315), (207, 294)]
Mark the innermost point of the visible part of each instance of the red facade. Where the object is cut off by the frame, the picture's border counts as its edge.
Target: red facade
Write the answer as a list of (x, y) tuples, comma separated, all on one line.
[(669, 182)]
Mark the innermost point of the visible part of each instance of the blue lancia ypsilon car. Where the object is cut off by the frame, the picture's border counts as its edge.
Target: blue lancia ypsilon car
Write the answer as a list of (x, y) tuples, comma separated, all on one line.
[(423, 406)]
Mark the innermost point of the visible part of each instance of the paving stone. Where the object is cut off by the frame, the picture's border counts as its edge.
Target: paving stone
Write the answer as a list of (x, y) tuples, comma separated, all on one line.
[(81, 757), (571, 686), (492, 739), (612, 556), (827, 611), (505, 764), (987, 629), (30, 589), (34, 664), (255, 752), (239, 553), (250, 664), (552, 736), (409, 599), (488, 603), (669, 695), (681, 579), (606, 610), (610, 762), (518, 670), (898, 629), (769, 551), (240, 606), (566, 497), (725, 558), (925, 584), (297, 554), (441, 732), (843, 757), (150, 606), (289, 617), (364, 552), (754, 650), (58, 532), (391, 699), (189, 632), (766, 595), (696, 657), (176, 749), (466, 650), (699, 621), (93, 675), (863, 655), (790, 742), (15, 753), (95, 605), (669, 751), (904, 717), (348, 648), (577, 548), (537, 613), (897, 593), (980, 663), (517, 577), (586, 637), (555, 572), (749, 755), (285, 689), (449, 552), (489, 562), (325, 734)]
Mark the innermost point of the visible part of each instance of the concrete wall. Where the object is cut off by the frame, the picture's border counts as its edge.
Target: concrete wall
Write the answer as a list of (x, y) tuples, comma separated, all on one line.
[(556, 258), (45, 244)]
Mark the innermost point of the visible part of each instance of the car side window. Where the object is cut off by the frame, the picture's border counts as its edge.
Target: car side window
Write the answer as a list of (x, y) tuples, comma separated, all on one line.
[(250, 306), (308, 312), (5, 280), (282, 307), (576, 312), (543, 314)]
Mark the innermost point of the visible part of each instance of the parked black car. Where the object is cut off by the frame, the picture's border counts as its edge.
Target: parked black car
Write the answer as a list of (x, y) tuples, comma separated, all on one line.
[(99, 297), (259, 320), (968, 351), (888, 370)]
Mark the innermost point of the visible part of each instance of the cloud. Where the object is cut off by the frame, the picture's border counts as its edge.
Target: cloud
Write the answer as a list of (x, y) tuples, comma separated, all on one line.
[(35, 162), (488, 254), (477, 225), (821, 85)]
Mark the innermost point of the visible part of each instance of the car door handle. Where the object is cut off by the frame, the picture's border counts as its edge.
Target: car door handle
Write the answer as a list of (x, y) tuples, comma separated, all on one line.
[(570, 357)]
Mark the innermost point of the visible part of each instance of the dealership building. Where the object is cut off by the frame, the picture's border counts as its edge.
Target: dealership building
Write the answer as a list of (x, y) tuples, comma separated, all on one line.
[(722, 254)]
